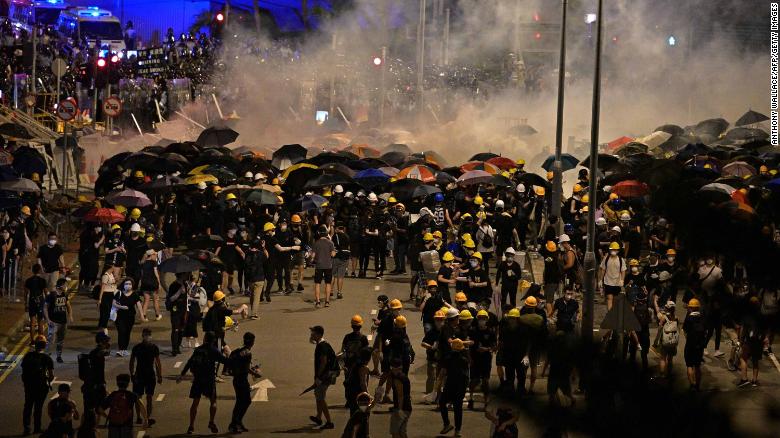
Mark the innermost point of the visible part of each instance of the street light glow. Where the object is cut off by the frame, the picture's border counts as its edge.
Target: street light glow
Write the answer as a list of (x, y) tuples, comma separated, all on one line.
[(101, 62), (590, 18), (377, 61), (220, 17), (672, 40)]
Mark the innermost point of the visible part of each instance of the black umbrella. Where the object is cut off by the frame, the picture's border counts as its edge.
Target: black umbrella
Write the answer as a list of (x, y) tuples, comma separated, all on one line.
[(139, 159), (179, 158), (713, 127), (114, 163), (659, 172), (675, 143), (291, 152), (206, 242), (397, 148), (374, 163), (500, 181), (691, 150), (338, 168), (532, 179), (107, 182), (179, 264), (216, 136), (261, 197), (670, 129), (747, 134), (20, 185), (328, 157), (393, 158), (28, 161), (157, 150), (605, 162), (187, 148), (8, 173), (295, 180), (749, 118), (424, 191), (404, 188), (327, 179), (523, 130), (483, 156), (14, 130), (444, 178)]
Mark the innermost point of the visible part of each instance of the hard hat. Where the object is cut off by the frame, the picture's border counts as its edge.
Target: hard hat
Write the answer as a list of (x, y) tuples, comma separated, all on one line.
[(694, 303), (432, 283), (229, 322), (356, 320), (614, 245), (539, 190), (275, 182), (438, 234), (395, 304), (460, 297), (230, 197), (138, 174), (466, 216), (372, 197), (338, 189), (448, 257), (670, 305), (481, 215), (617, 228), (438, 197), (26, 210), (763, 169), (600, 221), (400, 206), (550, 175), (584, 209), (577, 188), (465, 236), (135, 213), (35, 176), (392, 200), (400, 321), (478, 200), (82, 198), (120, 208), (708, 166), (625, 217), (499, 204), (585, 198), (509, 250), (483, 314), (201, 186), (633, 262), (296, 219), (348, 195), (514, 313), (564, 238), (613, 196), (469, 244), (116, 227), (428, 237), (259, 176), (520, 162), (520, 188), (530, 301), (477, 255), (135, 228), (465, 315), (248, 174), (216, 189), (551, 246), (327, 193), (457, 345), (439, 315), (671, 251), (218, 296), (268, 227), (452, 313)]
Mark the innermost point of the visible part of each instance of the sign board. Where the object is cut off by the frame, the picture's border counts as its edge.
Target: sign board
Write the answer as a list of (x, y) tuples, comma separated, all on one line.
[(151, 62), (112, 106), (67, 110), (59, 67)]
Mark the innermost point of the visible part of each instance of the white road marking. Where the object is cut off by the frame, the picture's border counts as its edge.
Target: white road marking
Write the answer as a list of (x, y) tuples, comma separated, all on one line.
[(160, 397), (262, 390), (373, 311), (177, 365), (140, 434), (376, 287)]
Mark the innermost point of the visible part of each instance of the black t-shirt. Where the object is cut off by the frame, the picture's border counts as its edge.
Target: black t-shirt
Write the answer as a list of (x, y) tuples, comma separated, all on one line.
[(432, 304), (35, 366), (431, 338), (50, 257), (148, 278), (567, 312), (116, 258), (351, 345), (145, 355), (323, 349), (241, 361), (57, 304), (135, 250), (37, 287), (129, 301), (445, 272), (214, 321), (112, 402)]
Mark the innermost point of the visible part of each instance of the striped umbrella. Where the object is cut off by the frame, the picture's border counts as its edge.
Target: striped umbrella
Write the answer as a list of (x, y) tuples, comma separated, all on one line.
[(418, 172), (481, 165)]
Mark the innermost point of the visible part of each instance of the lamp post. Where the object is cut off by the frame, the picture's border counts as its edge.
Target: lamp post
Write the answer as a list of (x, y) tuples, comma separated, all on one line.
[(557, 193)]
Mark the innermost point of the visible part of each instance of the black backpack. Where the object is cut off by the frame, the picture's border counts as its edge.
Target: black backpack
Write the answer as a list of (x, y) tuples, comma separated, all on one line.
[(487, 240), (85, 366)]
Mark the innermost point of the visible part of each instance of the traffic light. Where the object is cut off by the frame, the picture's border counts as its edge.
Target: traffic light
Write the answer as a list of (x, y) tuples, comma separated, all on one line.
[(114, 70), (218, 24), (101, 74), (377, 61), (536, 17)]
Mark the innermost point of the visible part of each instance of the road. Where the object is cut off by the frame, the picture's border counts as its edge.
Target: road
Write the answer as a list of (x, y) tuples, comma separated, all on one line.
[(286, 357)]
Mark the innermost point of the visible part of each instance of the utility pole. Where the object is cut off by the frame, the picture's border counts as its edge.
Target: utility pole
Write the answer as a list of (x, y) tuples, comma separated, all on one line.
[(382, 88), (557, 195), (421, 57)]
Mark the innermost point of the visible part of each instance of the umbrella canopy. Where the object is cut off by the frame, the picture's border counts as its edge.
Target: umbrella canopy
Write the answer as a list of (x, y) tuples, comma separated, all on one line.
[(418, 172), (15, 131), (197, 179), (216, 136), (371, 177), (362, 150), (164, 183), (620, 141), (328, 157), (338, 168), (261, 197), (435, 159), (308, 202), (630, 189), (502, 163), (531, 179), (327, 179), (104, 215), (738, 168), (480, 165), (394, 158), (523, 130), (659, 172), (20, 185), (654, 139), (750, 118), (500, 181), (389, 171), (474, 177), (403, 189), (114, 163), (188, 149), (670, 129), (630, 148), (713, 127), (288, 155), (397, 147), (747, 134), (28, 161), (568, 162), (444, 178), (180, 264), (605, 161), (425, 191), (295, 167), (692, 150), (129, 198), (483, 156), (718, 187), (138, 160)]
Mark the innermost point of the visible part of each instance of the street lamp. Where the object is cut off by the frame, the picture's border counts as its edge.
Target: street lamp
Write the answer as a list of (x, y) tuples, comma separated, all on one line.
[(557, 195)]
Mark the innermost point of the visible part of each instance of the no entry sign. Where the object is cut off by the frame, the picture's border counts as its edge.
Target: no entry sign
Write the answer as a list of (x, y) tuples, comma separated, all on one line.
[(66, 110), (112, 106)]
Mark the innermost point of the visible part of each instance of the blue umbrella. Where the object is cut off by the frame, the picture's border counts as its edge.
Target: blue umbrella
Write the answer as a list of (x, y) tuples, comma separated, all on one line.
[(371, 177), (568, 162), (308, 202), (773, 184)]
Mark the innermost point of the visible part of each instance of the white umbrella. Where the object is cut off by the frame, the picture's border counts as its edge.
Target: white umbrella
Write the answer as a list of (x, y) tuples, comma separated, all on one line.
[(654, 139)]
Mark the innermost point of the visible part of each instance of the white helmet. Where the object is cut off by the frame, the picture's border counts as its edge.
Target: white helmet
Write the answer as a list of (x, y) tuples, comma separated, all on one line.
[(361, 193), (135, 228), (625, 217), (521, 188), (338, 189), (499, 204), (616, 228), (600, 221), (201, 186), (509, 250), (348, 195), (372, 197), (564, 238), (259, 176), (248, 174), (607, 189), (177, 173)]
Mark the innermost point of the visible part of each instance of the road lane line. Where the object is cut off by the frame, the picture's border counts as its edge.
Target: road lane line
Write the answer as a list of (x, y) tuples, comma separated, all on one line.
[(140, 434), (376, 287), (15, 355), (373, 311), (177, 365), (160, 397)]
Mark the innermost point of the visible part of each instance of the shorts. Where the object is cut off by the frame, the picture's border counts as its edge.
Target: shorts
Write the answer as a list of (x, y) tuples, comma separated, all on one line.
[(612, 290), (299, 259), (201, 389), (339, 268), (752, 351), (398, 422), (323, 274), (230, 266), (550, 290), (693, 357), (481, 366), (669, 351), (320, 391), (149, 289), (144, 386), (35, 310)]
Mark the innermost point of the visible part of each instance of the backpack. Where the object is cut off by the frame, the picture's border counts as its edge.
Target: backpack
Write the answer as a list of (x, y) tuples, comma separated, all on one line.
[(198, 361), (487, 239), (120, 408), (671, 334), (85, 366)]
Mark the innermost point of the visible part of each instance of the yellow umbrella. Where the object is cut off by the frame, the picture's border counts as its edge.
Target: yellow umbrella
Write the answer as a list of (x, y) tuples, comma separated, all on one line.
[(270, 188), (198, 170), (197, 179), (295, 167)]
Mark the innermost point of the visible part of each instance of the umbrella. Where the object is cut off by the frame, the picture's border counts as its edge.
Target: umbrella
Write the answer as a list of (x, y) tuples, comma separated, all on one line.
[(157, 150), (750, 118), (620, 141), (327, 179), (296, 180), (419, 172), (393, 158), (294, 167), (161, 165), (718, 187), (370, 178), (178, 158), (222, 173), (474, 177), (630, 189), (235, 188), (129, 198), (713, 127), (206, 242), (179, 264), (338, 168), (197, 179), (216, 136), (659, 172), (532, 179), (483, 156), (630, 148), (691, 150), (114, 163), (670, 129), (28, 161), (397, 147), (138, 159), (8, 173), (435, 159), (329, 158), (403, 189), (373, 162), (654, 139), (605, 161), (288, 155), (444, 178), (523, 130), (362, 150), (188, 149), (164, 183), (308, 202), (14, 130), (273, 189), (425, 191), (568, 162), (261, 197), (738, 168), (739, 209), (20, 185), (104, 215), (502, 163), (389, 171), (747, 134), (480, 165), (674, 143)]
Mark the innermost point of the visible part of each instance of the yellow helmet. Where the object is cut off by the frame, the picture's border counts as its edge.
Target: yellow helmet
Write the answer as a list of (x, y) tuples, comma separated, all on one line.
[(633, 262), (539, 190), (577, 188), (477, 255), (520, 162), (613, 196), (230, 196), (35, 177), (585, 198), (275, 181), (448, 257), (138, 174), (216, 189), (229, 323), (584, 209), (149, 239), (295, 219), (694, 303), (457, 345), (550, 175), (551, 246), (439, 315), (218, 296), (465, 315), (400, 321), (268, 227), (483, 314), (356, 320), (395, 304), (763, 169), (428, 237), (327, 193), (432, 283), (469, 244), (481, 215), (671, 251), (460, 297), (391, 200), (438, 234), (115, 227), (465, 236), (121, 209), (478, 200), (614, 245), (466, 216), (514, 313), (531, 302), (26, 210), (135, 213)]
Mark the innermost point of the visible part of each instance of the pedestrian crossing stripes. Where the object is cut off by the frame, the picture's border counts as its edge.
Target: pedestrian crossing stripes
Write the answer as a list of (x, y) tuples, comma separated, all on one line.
[(160, 397), (177, 365)]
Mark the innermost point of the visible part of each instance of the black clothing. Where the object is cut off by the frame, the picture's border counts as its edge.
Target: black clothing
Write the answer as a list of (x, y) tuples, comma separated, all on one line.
[(50, 257)]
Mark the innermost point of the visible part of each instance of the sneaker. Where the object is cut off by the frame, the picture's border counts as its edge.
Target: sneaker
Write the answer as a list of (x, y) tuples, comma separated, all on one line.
[(213, 428), (446, 429), (706, 353), (718, 353), (315, 420), (59, 359), (327, 303), (457, 433), (234, 429), (317, 304), (255, 316), (158, 317), (242, 428), (300, 287), (190, 430), (118, 353), (743, 383), (754, 383), (327, 425), (151, 422), (339, 296)]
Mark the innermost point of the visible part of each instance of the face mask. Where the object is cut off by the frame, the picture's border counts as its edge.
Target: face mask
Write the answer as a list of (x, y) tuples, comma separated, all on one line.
[(52, 242), (634, 270), (98, 229), (569, 297), (312, 341), (710, 262), (283, 227), (671, 259), (614, 253), (473, 263)]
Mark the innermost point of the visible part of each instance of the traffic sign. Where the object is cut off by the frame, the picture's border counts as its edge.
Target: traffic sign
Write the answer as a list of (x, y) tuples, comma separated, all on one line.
[(59, 67), (112, 106), (66, 110)]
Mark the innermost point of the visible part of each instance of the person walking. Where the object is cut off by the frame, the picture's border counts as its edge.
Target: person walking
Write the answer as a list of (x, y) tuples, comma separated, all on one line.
[(37, 375), (456, 376), (350, 355), (145, 371), (695, 337), (402, 400), (176, 303), (58, 313), (108, 289), (484, 343), (118, 409), (127, 303), (357, 425), (340, 261), (255, 274), (35, 291), (324, 251), (242, 367), (62, 411), (50, 257), (509, 275), (92, 371), (325, 374), (203, 364), (612, 271), (150, 284), (669, 335)]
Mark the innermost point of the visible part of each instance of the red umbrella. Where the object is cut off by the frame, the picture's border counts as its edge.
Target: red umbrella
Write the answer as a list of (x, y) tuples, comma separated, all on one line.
[(616, 143), (630, 189), (480, 165), (502, 163), (423, 173), (104, 215)]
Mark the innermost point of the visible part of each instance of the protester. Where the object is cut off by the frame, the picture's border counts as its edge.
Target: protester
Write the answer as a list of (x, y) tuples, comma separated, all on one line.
[(145, 372), (118, 408), (241, 368), (37, 375), (58, 313), (325, 372), (203, 365)]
